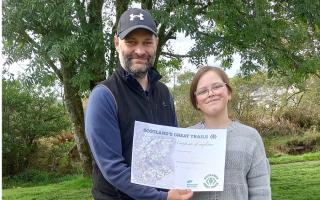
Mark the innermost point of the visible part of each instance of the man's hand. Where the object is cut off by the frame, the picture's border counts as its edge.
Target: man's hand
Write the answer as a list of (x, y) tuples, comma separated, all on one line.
[(176, 194)]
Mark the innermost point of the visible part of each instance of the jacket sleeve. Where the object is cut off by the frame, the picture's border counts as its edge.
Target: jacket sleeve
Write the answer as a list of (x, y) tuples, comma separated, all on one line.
[(258, 176), (103, 135)]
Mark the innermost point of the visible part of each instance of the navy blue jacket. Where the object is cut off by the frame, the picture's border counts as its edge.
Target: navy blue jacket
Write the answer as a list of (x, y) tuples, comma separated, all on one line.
[(113, 107)]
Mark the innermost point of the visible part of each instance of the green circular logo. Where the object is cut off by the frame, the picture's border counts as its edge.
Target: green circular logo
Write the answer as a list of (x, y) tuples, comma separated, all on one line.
[(211, 181)]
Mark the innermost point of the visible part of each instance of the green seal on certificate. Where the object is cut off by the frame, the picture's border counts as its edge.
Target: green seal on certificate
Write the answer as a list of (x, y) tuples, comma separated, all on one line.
[(211, 181)]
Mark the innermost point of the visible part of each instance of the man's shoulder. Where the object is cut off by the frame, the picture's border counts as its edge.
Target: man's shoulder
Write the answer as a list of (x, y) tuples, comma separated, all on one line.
[(162, 85), (108, 80)]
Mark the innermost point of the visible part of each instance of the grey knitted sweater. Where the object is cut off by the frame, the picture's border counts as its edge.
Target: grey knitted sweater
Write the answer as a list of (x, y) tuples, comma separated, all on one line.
[(247, 170)]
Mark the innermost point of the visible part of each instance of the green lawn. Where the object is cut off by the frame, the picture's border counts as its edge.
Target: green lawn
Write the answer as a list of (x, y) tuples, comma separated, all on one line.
[(292, 181), (78, 188), (296, 181)]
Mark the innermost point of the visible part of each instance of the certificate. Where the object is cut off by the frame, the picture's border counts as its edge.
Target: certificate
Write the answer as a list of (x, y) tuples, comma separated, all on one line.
[(169, 157)]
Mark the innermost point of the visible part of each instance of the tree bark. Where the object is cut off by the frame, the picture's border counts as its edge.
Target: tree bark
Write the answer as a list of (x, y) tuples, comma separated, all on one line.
[(75, 109), (121, 6), (96, 55)]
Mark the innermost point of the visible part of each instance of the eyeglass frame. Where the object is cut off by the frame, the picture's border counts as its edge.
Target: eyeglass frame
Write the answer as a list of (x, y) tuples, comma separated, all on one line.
[(212, 89)]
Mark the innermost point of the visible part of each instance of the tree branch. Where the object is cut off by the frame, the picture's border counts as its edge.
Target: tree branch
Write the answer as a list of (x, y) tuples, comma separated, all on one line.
[(146, 4), (80, 12), (169, 34), (317, 75), (291, 96), (45, 56), (201, 10), (172, 55)]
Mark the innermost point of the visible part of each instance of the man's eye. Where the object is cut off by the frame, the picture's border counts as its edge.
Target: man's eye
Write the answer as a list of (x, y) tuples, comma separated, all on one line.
[(148, 43), (130, 42)]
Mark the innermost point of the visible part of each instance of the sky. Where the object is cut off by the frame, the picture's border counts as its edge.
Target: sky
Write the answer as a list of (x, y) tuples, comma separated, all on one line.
[(183, 44)]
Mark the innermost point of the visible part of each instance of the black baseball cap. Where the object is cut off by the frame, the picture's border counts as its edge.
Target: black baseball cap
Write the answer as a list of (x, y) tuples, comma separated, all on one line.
[(133, 19)]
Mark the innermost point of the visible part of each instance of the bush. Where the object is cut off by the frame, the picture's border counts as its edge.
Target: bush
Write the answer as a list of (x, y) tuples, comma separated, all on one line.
[(299, 117), (29, 113), (294, 145), (57, 154)]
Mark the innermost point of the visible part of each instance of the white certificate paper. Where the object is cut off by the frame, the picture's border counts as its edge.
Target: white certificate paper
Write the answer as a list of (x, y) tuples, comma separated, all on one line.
[(169, 157)]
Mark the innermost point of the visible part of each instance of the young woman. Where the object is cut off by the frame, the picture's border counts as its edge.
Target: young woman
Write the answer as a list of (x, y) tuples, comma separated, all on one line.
[(247, 171)]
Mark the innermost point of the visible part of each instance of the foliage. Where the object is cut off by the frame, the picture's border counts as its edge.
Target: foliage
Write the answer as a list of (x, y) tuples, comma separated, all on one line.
[(64, 40), (280, 36), (186, 114), (50, 34), (56, 154), (28, 114), (293, 144), (305, 143), (58, 32), (168, 68), (72, 41)]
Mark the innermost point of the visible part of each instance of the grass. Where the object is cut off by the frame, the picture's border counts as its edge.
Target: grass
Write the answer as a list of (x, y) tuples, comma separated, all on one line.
[(33, 177), (77, 188), (291, 159), (293, 178), (296, 181)]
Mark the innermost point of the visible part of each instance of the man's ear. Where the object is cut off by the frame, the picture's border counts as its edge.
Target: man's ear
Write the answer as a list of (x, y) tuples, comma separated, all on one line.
[(116, 40), (157, 41)]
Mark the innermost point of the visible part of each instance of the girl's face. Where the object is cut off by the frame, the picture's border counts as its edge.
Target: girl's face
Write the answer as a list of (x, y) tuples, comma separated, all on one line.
[(212, 95)]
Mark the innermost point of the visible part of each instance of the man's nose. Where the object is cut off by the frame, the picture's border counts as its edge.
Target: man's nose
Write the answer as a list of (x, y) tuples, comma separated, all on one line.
[(139, 50)]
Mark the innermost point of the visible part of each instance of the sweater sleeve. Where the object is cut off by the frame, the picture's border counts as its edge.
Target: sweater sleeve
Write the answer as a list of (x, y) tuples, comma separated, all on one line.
[(258, 176), (103, 135)]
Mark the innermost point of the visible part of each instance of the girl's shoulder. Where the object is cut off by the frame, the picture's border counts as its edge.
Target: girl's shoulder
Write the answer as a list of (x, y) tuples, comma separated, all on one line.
[(199, 125), (241, 130)]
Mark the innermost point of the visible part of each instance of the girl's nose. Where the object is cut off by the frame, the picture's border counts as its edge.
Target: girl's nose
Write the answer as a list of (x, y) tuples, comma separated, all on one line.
[(211, 92)]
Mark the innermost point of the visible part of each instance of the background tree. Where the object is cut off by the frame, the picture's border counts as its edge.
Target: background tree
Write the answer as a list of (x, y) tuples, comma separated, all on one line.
[(279, 36), (74, 39), (186, 114), (29, 112)]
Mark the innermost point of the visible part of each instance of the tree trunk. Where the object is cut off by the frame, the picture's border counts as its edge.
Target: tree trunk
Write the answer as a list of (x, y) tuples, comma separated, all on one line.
[(95, 56), (121, 6), (75, 109)]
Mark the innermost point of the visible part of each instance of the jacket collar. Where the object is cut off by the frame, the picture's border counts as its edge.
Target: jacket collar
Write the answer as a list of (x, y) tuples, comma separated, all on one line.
[(153, 77)]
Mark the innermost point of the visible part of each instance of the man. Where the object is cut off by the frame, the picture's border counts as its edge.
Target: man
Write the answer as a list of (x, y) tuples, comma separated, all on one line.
[(132, 93)]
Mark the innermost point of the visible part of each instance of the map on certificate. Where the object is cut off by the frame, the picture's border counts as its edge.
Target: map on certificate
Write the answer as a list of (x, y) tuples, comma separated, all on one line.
[(169, 157)]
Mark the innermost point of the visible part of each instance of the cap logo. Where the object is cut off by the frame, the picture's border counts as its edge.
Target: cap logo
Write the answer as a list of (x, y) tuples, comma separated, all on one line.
[(132, 16)]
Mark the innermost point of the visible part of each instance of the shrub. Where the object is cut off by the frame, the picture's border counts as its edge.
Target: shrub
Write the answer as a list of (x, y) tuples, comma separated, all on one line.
[(29, 113), (57, 154), (299, 117), (307, 143)]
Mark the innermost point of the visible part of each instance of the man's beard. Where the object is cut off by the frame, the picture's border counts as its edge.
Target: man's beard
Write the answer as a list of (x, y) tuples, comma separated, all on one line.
[(126, 62)]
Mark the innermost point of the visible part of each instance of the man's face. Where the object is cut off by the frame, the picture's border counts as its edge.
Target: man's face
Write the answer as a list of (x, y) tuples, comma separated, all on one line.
[(137, 51)]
